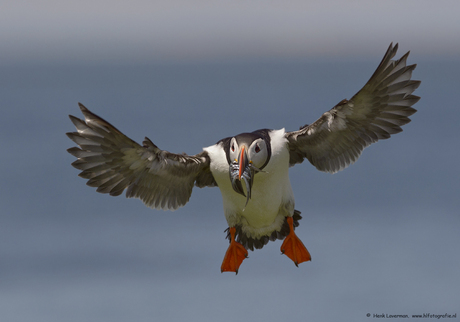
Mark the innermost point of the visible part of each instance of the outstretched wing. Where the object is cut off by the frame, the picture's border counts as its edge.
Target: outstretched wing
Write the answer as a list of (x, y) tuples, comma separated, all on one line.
[(378, 110), (112, 162)]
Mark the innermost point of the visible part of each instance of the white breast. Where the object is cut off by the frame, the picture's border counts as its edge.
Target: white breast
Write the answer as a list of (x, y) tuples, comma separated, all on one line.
[(272, 198)]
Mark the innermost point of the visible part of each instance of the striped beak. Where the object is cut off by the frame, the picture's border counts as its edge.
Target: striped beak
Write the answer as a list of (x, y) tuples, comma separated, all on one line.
[(240, 171)]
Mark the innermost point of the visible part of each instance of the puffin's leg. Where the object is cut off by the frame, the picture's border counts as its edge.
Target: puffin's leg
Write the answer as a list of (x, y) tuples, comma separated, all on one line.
[(293, 247), (234, 256)]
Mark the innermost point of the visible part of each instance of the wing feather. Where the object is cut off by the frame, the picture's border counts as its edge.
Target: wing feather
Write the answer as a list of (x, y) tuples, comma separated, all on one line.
[(376, 112), (113, 163)]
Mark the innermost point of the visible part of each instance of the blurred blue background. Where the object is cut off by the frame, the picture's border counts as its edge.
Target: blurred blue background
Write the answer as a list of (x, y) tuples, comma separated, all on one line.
[(383, 234)]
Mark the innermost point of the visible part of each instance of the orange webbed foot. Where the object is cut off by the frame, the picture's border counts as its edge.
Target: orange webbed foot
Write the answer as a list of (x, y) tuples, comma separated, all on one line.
[(234, 256), (293, 247)]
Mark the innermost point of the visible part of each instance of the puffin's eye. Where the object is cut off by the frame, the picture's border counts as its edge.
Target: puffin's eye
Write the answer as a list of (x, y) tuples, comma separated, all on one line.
[(257, 149), (233, 147)]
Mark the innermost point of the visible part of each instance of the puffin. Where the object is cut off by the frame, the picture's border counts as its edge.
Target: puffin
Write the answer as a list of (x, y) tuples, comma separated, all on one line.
[(250, 169)]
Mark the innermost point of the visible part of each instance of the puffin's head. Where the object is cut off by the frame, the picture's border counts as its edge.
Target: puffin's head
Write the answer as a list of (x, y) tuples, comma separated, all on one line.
[(248, 154)]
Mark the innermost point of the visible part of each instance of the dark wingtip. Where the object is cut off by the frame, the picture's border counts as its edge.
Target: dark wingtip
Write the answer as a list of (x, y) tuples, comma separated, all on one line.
[(82, 107)]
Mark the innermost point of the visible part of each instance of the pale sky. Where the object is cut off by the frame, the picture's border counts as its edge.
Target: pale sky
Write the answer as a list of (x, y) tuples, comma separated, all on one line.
[(140, 30)]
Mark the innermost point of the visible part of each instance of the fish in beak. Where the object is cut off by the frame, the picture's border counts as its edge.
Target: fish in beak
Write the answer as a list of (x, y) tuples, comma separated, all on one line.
[(241, 170)]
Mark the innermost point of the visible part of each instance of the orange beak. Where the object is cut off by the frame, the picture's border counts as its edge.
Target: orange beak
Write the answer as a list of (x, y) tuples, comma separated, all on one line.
[(240, 171), (242, 163)]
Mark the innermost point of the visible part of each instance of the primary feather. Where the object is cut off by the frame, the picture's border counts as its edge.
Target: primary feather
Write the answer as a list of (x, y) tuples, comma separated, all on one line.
[(112, 162), (377, 111)]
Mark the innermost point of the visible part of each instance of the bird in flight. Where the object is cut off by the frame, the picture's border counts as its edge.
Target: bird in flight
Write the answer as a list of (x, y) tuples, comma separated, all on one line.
[(251, 169)]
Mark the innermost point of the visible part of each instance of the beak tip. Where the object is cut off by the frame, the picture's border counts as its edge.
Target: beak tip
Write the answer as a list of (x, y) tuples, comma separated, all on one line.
[(239, 172)]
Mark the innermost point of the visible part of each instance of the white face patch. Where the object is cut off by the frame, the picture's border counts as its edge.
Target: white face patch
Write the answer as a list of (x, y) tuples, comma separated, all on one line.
[(257, 152)]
